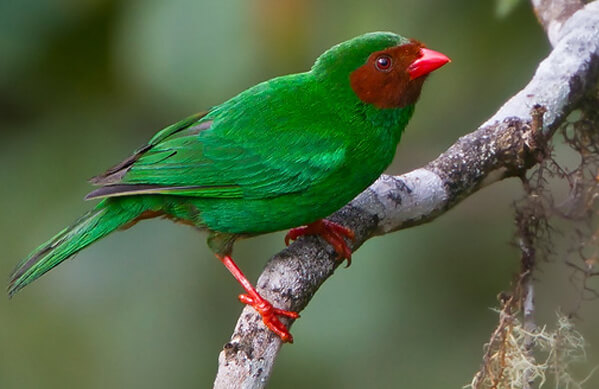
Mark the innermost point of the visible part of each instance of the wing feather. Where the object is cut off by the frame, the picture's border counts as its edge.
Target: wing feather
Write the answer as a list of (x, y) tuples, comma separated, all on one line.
[(233, 152)]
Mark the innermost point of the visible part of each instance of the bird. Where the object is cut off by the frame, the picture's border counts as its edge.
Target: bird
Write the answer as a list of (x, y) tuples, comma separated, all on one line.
[(283, 154)]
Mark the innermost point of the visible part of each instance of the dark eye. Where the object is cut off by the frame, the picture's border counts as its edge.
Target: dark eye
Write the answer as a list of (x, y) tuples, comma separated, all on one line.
[(383, 63)]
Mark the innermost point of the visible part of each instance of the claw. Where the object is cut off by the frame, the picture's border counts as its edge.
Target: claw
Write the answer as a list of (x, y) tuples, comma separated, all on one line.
[(269, 315), (330, 231), (246, 299), (263, 307)]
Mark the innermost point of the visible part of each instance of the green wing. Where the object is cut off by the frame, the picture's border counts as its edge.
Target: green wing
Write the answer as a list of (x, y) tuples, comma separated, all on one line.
[(216, 157)]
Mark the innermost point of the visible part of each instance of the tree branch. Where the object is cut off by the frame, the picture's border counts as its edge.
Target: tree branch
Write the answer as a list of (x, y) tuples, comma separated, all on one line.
[(553, 13), (502, 147)]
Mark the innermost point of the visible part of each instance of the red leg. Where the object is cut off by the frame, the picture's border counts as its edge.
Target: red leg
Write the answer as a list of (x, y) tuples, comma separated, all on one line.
[(264, 308), (330, 231)]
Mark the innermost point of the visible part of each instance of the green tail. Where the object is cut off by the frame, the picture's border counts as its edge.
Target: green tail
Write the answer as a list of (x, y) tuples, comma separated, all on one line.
[(97, 223)]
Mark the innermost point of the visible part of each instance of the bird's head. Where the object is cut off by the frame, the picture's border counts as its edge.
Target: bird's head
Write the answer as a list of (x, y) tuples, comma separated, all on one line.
[(381, 68)]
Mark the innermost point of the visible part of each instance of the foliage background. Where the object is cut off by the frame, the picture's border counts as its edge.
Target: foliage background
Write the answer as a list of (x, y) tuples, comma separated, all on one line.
[(83, 83)]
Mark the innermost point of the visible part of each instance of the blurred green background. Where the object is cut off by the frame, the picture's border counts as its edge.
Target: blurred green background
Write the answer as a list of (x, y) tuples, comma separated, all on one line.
[(84, 82)]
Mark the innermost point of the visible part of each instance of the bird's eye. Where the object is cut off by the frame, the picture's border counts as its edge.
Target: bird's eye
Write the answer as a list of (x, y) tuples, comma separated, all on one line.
[(383, 63)]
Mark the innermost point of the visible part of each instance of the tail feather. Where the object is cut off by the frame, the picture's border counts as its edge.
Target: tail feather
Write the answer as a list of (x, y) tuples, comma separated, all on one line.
[(92, 226)]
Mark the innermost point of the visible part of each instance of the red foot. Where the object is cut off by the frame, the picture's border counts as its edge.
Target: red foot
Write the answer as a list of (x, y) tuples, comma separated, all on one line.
[(269, 315), (330, 231), (264, 308)]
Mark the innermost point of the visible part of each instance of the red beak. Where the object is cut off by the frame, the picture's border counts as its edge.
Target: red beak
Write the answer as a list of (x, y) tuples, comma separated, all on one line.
[(428, 61)]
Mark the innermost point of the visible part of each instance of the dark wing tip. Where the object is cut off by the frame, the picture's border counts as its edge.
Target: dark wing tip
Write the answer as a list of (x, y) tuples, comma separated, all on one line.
[(122, 190), (116, 173)]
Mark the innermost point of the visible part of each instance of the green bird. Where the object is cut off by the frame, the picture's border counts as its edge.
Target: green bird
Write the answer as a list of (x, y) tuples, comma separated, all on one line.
[(284, 153)]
